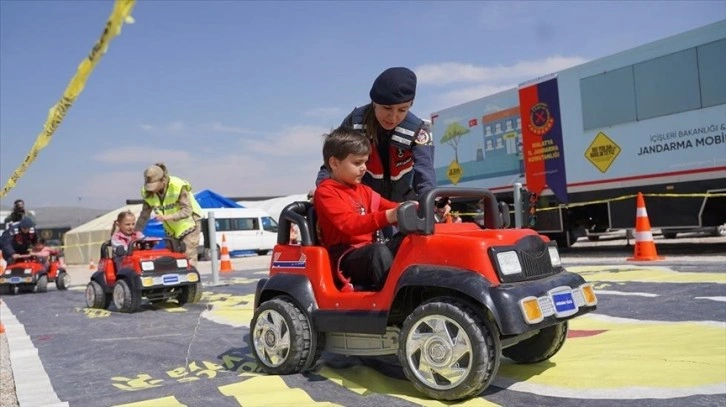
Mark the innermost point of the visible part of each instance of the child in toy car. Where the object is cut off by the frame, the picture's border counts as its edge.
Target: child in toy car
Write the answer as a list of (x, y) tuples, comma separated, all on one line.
[(122, 231), (349, 213)]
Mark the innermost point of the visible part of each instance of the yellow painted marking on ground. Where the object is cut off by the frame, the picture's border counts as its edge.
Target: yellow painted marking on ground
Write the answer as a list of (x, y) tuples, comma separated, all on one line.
[(233, 310), (94, 312), (242, 280), (170, 306), (631, 354), (170, 401), (643, 274), (264, 391), (365, 381)]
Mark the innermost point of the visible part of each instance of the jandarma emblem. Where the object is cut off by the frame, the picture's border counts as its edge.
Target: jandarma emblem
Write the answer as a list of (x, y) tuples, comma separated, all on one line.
[(540, 119)]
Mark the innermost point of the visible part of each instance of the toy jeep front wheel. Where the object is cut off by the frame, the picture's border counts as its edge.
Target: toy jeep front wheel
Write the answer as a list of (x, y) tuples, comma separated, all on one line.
[(95, 297), (191, 294), (540, 347), (42, 285), (124, 298), (448, 351), (63, 281), (282, 338)]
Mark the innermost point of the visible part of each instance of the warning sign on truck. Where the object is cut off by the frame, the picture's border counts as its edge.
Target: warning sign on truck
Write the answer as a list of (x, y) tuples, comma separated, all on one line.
[(602, 152)]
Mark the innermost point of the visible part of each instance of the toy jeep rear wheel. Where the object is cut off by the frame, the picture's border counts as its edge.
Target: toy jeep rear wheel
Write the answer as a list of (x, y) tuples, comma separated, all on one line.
[(282, 339), (42, 285), (448, 351), (191, 293), (540, 347), (95, 297), (63, 281), (124, 298)]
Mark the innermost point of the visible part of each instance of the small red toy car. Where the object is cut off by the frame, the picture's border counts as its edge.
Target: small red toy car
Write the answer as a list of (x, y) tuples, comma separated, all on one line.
[(457, 298), (125, 277), (33, 273)]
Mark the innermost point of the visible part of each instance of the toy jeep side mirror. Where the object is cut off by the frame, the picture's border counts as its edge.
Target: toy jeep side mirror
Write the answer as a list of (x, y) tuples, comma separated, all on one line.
[(408, 221), (120, 251)]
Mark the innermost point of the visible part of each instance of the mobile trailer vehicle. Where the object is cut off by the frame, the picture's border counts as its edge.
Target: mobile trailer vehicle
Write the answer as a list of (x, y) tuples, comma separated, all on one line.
[(246, 229), (587, 139), (456, 300)]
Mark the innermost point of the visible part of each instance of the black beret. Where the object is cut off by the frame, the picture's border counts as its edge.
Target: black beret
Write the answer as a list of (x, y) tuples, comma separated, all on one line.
[(394, 86), (26, 223)]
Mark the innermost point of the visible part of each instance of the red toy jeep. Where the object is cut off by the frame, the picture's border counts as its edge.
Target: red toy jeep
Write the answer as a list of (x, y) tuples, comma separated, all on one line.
[(33, 273), (457, 298), (142, 272)]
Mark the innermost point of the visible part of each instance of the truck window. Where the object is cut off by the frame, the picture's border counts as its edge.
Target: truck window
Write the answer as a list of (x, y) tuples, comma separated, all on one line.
[(269, 224)]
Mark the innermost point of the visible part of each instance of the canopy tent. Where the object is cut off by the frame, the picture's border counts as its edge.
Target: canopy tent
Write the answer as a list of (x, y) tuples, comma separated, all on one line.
[(274, 206), (83, 243)]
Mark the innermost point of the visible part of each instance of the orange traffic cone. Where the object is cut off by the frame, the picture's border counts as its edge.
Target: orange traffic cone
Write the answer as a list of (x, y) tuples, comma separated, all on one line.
[(3, 264), (644, 245), (225, 262), (91, 265), (2, 327)]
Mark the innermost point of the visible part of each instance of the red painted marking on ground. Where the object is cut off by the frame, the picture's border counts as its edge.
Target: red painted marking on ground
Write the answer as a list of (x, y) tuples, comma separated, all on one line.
[(575, 333)]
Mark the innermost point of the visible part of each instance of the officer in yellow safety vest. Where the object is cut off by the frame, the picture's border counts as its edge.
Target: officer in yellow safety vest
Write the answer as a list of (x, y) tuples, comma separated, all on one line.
[(174, 205)]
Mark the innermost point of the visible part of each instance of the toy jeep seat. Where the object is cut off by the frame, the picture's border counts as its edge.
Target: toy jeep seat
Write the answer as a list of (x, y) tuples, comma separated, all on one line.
[(106, 250)]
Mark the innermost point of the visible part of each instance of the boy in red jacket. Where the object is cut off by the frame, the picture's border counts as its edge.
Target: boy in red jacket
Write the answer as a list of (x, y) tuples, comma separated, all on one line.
[(349, 213)]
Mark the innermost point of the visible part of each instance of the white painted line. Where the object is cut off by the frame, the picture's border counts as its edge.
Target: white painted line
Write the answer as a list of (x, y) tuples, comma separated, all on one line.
[(720, 299), (634, 293), (32, 384)]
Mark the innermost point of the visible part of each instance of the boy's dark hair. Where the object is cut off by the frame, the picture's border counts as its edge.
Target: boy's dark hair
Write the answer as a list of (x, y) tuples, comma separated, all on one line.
[(41, 240), (344, 141)]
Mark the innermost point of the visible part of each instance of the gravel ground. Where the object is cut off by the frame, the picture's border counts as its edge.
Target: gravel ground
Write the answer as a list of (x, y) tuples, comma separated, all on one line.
[(7, 384)]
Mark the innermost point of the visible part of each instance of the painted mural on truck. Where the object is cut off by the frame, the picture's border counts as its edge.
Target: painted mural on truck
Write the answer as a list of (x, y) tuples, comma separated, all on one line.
[(479, 143)]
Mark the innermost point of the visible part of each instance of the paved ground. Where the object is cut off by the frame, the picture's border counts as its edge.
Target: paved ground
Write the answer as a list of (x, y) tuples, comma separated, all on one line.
[(657, 339)]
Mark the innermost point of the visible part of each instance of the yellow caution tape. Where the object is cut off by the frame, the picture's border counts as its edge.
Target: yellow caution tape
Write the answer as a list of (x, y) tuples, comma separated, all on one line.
[(121, 14)]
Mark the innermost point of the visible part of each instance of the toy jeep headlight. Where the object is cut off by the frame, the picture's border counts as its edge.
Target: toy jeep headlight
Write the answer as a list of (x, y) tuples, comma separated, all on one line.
[(147, 265), (554, 256), (28, 271), (509, 263), (182, 263)]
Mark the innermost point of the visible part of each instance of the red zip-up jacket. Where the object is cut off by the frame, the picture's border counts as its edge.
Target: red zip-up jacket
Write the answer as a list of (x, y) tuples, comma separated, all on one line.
[(344, 213)]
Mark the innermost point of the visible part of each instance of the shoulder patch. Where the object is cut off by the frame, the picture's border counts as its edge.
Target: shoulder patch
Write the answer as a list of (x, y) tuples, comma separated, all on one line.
[(423, 137)]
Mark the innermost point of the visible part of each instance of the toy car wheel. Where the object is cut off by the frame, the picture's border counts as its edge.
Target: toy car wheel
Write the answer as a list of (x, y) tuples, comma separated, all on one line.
[(448, 351), (540, 347), (42, 285), (124, 298), (191, 293), (95, 297), (282, 338), (63, 281)]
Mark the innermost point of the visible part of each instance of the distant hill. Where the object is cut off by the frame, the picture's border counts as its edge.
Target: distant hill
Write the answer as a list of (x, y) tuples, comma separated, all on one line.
[(63, 216)]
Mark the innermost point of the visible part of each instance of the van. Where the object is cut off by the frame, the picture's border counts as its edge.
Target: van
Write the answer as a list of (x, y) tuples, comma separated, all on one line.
[(245, 229)]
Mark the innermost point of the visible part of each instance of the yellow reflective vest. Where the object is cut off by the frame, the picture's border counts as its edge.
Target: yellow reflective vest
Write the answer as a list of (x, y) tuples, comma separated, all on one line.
[(170, 206)]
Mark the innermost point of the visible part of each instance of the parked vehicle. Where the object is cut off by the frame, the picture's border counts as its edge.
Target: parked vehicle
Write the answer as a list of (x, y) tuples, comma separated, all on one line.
[(587, 139), (245, 229), (457, 299)]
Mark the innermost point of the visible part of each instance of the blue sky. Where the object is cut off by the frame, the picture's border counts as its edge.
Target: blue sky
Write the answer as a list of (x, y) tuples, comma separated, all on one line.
[(235, 95)]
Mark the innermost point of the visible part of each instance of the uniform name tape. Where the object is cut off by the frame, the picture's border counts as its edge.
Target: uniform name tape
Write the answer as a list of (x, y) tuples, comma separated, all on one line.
[(121, 13)]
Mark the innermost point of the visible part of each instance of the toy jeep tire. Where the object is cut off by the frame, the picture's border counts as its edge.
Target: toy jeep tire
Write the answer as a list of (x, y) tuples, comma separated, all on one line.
[(42, 285), (95, 297), (63, 281), (124, 298), (448, 351), (281, 338), (540, 347), (190, 294)]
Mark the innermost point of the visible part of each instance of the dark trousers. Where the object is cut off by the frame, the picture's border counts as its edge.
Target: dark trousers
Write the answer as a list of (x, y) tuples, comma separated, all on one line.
[(368, 266)]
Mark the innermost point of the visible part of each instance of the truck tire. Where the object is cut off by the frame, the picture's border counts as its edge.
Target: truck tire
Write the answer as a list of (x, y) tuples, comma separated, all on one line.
[(125, 299), (540, 347), (720, 230), (281, 338), (448, 351)]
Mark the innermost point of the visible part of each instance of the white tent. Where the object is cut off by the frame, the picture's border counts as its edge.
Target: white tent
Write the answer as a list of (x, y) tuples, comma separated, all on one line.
[(83, 243), (274, 206)]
